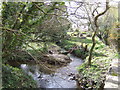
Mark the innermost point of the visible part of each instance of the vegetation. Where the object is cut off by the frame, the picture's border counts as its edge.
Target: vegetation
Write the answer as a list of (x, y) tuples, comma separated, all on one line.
[(17, 78), (36, 33), (26, 22), (78, 43), (94, 75)]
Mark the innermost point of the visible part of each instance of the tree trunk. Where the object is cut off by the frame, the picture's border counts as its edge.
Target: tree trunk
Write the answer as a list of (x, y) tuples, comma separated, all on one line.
[(91, 50), (95, 31)]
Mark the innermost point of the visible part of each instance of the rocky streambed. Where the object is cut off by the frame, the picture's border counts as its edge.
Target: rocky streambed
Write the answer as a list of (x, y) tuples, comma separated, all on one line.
[(62, 77)]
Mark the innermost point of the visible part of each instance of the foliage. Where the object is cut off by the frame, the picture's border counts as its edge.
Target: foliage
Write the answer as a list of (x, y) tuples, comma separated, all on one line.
[(114, 36), (106, 23), (80, 53), (26, 22), (16, 78), (73, 41), (102, 57), (66, 44)]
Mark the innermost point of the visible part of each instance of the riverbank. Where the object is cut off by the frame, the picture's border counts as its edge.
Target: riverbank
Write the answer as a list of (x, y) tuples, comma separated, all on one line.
[(94, 76), (61, 78), (47, 63), (52, 66)]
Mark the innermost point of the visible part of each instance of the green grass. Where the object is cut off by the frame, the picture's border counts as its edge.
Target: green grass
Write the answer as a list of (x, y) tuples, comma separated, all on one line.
[(79, 40), (68, 44), (75, 41), (98, 54)]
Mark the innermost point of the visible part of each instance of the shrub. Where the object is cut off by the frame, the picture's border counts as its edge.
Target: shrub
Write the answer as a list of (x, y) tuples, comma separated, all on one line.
[(16, 78)]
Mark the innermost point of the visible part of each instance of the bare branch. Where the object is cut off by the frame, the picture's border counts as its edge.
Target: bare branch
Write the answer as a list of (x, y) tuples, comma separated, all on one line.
[(100, 14), (78, 7), (95, 10)]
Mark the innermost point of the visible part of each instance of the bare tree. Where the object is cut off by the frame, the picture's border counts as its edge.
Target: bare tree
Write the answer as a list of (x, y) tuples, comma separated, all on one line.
[(96, 28), (90, 12)]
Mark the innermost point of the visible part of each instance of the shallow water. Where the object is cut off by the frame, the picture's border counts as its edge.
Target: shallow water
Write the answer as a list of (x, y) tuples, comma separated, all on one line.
[(59, 79)]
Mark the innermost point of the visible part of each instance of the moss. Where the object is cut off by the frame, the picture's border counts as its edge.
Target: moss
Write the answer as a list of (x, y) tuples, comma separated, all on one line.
[(16, 78)]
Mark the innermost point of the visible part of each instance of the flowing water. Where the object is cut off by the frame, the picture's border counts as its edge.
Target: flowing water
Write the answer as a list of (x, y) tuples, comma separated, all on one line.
[(60, 79)]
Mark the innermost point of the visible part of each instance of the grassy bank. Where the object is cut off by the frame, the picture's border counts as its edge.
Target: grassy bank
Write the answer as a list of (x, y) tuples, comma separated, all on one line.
[(94, 76), (91, 76)]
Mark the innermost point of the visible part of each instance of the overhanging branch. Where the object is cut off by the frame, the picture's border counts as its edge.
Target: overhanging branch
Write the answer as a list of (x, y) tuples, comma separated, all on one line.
[(102, 13)]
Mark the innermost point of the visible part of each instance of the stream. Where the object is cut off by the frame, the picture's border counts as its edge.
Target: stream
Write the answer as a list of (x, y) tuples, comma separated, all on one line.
[(61, 78)]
